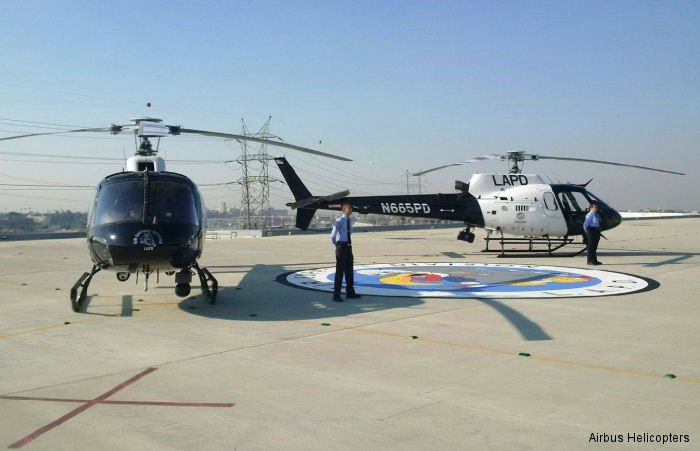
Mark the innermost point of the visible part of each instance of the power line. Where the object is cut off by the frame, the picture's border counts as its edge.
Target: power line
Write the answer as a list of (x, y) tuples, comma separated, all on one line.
[(42, 197), (47, 185), (40, 127), (343, 173), (47, 188), (217, 184), (42, 123), (43, 182), (44, 155), (56, 162)]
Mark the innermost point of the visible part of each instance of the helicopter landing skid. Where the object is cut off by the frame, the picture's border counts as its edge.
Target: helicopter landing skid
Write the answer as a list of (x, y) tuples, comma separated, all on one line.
[(83, 283), (210, 286), (531, 245)]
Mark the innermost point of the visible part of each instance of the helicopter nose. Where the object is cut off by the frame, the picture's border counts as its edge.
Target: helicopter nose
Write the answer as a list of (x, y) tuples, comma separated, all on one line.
[(613, 219)]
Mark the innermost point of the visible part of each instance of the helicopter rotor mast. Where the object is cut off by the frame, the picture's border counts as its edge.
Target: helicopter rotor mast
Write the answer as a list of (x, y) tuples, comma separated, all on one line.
[(146, 128)]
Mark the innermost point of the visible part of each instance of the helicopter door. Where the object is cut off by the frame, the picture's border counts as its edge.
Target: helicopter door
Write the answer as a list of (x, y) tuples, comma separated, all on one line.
[(554, 223)]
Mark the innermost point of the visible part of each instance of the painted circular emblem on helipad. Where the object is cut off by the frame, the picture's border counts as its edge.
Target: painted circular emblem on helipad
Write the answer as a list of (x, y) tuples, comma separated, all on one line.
[(472, 280)]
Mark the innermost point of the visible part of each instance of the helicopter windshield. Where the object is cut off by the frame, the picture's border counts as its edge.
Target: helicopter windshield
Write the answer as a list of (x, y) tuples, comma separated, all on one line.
[(574, 201), (171, 202), (119, 202)]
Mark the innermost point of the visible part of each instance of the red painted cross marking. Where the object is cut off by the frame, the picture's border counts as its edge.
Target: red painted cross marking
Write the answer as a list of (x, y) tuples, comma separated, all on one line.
[(102, 399)]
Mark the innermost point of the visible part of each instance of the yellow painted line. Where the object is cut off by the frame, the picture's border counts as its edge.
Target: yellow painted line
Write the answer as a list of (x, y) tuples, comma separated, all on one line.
[(54, 326), (30, 285), (465, 346), (503, 351), (31, 331), (156, 305), (22, 284), (149, 306), (39, 329)]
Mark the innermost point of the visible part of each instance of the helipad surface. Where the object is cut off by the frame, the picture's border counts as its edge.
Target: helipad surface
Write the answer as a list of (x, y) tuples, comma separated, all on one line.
[(277, 367)]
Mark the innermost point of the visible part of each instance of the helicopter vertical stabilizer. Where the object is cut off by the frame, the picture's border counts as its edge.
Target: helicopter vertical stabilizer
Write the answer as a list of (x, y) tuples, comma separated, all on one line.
[(297, 187), (300, 192)]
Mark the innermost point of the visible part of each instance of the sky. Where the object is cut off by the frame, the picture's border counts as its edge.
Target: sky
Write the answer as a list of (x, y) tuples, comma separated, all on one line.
[(393, 85)]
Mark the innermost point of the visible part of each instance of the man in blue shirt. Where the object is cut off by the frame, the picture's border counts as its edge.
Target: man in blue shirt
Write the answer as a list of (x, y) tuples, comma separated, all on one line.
[(591, 227), (341, 237)]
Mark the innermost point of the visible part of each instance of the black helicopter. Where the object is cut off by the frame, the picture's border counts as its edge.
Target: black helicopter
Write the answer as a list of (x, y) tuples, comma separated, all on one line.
[(146, 219), (512, 203)]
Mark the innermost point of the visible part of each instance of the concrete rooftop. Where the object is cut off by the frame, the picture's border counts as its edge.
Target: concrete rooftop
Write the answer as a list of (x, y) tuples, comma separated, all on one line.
[(305, 373)]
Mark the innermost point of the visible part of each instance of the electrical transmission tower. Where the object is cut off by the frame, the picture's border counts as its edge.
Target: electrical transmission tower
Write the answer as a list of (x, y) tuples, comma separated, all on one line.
[(255, 179), (414, 184)]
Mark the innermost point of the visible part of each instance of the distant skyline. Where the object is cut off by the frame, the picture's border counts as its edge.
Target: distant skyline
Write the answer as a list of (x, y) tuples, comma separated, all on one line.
[(394, 85)]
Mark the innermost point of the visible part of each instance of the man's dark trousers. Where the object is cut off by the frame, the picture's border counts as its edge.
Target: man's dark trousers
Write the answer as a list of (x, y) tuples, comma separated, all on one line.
[(593, 237), (343, 266)]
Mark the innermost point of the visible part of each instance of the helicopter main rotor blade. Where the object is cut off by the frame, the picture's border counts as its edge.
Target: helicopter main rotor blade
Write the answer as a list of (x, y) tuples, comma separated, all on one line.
[(263, 141), (100, 129), (471, 160), (435, 169), (585, 160)]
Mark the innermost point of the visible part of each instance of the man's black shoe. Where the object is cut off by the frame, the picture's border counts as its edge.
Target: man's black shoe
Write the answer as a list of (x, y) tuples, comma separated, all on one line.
[(597, 263), (337, 299), (353, 296)]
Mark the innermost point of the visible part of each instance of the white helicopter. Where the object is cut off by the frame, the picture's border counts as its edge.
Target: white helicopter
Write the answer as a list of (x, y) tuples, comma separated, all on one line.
[(513, 203)]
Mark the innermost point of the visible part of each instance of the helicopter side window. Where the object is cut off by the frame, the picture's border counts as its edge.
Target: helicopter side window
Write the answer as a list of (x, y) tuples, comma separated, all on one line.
[(172, 202), (120, 201), (565, 202), (549, 201)]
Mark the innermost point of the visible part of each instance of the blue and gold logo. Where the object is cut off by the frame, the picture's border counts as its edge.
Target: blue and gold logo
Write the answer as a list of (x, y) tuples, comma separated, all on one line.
[(471, 280)]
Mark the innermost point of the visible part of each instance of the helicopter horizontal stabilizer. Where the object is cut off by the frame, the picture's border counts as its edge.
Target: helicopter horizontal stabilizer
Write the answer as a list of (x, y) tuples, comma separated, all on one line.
[(305, 203)]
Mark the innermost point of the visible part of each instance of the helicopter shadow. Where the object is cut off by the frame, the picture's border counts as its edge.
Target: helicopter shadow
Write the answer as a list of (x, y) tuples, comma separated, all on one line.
[(261, 297), (673, 257), (127, 307)]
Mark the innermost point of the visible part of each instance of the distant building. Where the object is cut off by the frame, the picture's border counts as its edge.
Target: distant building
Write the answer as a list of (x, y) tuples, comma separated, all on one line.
[(222, 207)]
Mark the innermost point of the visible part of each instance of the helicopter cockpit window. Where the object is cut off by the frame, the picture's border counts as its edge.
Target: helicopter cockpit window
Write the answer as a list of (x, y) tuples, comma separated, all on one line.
[(593, 198), (172, 202), (574, 201), (119, 202)]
